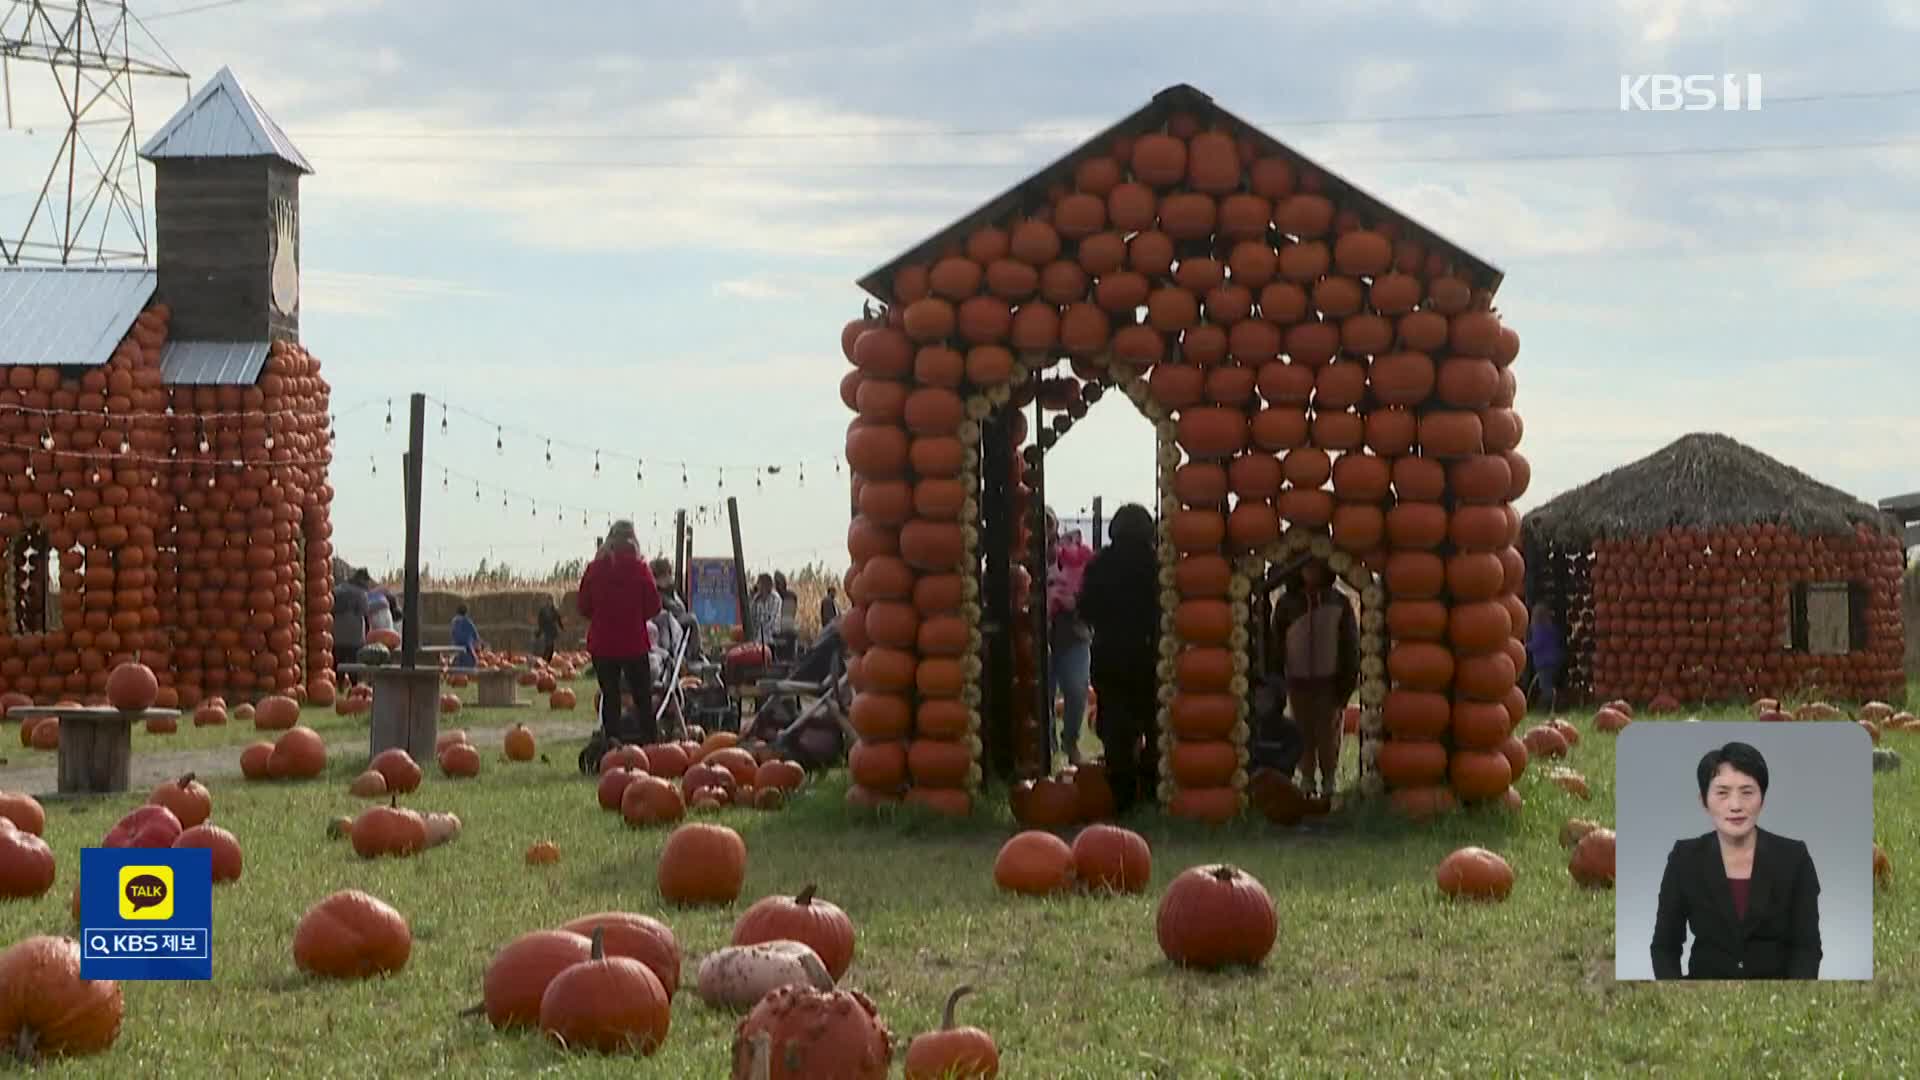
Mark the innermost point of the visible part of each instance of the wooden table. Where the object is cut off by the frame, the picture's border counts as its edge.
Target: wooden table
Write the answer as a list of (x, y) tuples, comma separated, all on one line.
[(406, 707), (497, 687), (96, 744)]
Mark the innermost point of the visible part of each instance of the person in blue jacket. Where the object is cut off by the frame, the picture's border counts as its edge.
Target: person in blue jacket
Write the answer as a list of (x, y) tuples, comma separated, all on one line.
[(466, 637)]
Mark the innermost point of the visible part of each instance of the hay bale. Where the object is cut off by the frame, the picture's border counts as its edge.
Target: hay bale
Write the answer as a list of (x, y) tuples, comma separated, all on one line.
[(506, 607), (437, 608)]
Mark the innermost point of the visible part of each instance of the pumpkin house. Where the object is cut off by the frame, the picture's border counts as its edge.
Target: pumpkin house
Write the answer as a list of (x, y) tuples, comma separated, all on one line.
[(1710, 571), (164, 439), (1323, 374)]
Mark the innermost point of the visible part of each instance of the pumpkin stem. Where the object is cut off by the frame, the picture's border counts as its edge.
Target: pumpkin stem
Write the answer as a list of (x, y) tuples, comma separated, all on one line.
[(187, 780), (805, 896), (599, 943), (472, 1010), (1224, 872), (946, 1015), (394, 800)]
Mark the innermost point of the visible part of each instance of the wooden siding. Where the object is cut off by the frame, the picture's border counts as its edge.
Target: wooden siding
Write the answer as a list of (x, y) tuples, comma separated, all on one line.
[(213, 225)]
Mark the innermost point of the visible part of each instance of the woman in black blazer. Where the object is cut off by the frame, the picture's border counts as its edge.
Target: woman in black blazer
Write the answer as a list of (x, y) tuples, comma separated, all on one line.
[(1751, 897)]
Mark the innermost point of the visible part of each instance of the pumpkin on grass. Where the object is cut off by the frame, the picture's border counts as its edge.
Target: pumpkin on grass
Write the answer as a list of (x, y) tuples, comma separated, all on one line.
[(544, 853), (1216, 916), (805, 1034), (519, 743), (648, 800), (1574, 829), (1882, 868), (953, 1053), (1592, 862), (1107, 857), (606, 1003), (1034, 863), (46, 1008), (402, 773), (24, 811), (1474, 873), (702, 864), (144, 827), (519, 974), (187, 798), (223, 845), (351, 935), (805, 918), (461, 761), (26, 863), (388, 830), (641, 937)]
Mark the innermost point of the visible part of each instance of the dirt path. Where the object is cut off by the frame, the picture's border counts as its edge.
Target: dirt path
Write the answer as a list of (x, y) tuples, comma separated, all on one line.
[(34, 771)]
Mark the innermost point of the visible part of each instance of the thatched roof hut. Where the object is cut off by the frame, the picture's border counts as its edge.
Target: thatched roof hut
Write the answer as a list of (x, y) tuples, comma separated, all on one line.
[(1703, 480)]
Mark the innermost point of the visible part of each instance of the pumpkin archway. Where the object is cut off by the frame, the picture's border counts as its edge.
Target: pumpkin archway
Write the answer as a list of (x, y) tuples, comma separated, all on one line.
[(1323, 374)]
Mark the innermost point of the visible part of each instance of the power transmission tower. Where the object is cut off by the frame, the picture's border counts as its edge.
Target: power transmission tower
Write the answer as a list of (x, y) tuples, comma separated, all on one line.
[(91, 208)]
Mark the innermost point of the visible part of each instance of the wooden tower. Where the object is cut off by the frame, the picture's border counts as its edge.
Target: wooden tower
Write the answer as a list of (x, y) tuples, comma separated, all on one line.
[(227, 218)]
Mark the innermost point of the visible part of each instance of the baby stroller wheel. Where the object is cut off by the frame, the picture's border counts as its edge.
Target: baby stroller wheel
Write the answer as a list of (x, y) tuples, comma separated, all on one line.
[(596, 749)]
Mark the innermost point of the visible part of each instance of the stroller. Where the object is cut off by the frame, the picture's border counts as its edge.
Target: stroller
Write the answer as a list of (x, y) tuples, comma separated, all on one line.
[(667, 700), (816, 732), (1276, 742)]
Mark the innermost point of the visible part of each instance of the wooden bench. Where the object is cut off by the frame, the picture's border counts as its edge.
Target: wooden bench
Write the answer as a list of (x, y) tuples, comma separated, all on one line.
[(406, 708), (96, 745)]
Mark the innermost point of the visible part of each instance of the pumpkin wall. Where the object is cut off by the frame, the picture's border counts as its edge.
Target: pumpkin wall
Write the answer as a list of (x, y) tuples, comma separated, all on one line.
[(1319, 380), (164, 552), (1702, 615)]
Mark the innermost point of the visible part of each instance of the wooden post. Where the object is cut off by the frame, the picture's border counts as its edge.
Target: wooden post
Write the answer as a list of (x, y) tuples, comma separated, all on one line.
[(686, 569), (1038, 560), (1099, 530), (996, 506), (416, 440), (679, 552), (740, 569)]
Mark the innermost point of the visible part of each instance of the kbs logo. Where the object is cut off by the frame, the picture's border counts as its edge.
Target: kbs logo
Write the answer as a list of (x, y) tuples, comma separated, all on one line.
[(146, 892), (1689, 93)]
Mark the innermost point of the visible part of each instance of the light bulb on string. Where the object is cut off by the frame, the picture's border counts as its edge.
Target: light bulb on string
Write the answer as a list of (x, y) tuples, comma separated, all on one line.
[(549, 453), (443, 479), (373, 465), (683, 476), (46, 439), (476, 493), (596, 464), (126, 443), (389, 414), (443, 418), (499, 445)]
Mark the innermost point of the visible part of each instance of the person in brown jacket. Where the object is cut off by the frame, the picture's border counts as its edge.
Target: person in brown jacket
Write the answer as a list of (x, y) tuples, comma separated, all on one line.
[(1315, 649)]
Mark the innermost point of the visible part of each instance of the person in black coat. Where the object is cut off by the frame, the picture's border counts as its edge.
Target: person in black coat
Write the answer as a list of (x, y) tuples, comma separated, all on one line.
[(1751, 897), (1119, 600)]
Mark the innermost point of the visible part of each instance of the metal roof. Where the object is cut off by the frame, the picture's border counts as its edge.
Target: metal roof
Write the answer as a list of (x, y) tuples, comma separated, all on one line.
[(1032, 191), (68, 315), (223, 121), (212, 363)]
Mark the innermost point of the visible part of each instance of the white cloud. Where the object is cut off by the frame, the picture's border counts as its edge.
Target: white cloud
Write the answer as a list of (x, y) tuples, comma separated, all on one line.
[(349, 292)]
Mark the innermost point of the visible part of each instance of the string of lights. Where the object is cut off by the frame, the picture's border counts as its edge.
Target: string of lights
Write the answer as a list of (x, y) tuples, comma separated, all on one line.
[(170, 415), (700, 514), (604, 458)]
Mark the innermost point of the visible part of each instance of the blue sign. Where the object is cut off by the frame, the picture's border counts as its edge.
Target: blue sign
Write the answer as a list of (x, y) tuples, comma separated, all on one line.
[(146, 913), (715, 600)]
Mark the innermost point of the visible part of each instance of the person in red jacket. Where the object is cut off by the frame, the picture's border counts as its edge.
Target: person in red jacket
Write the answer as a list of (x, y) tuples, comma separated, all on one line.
[(618, 597)]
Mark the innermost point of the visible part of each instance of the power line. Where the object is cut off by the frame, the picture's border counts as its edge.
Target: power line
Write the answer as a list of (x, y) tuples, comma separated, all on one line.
[(1517, 157), (195, 10), (1079, 133)]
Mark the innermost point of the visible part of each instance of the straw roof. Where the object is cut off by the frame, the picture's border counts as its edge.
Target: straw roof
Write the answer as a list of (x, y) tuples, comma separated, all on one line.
[(1703, 480)]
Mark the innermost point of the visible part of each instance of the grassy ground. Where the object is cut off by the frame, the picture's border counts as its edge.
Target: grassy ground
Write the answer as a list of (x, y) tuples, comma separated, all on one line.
[(1373, 972)]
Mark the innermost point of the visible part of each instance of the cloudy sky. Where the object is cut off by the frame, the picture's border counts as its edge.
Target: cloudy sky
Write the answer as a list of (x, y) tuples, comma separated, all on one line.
[(636, 226)]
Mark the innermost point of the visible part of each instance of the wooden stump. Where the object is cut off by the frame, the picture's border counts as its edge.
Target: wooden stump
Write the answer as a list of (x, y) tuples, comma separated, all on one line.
[(406, 710), (498, 689), (96, 746)]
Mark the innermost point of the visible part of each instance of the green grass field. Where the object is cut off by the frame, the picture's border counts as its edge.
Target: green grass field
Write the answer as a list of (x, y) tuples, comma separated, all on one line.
[(1373, 973)]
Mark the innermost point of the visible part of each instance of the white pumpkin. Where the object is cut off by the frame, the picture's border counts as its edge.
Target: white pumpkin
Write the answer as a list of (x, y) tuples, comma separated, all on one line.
[(738, 976)]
